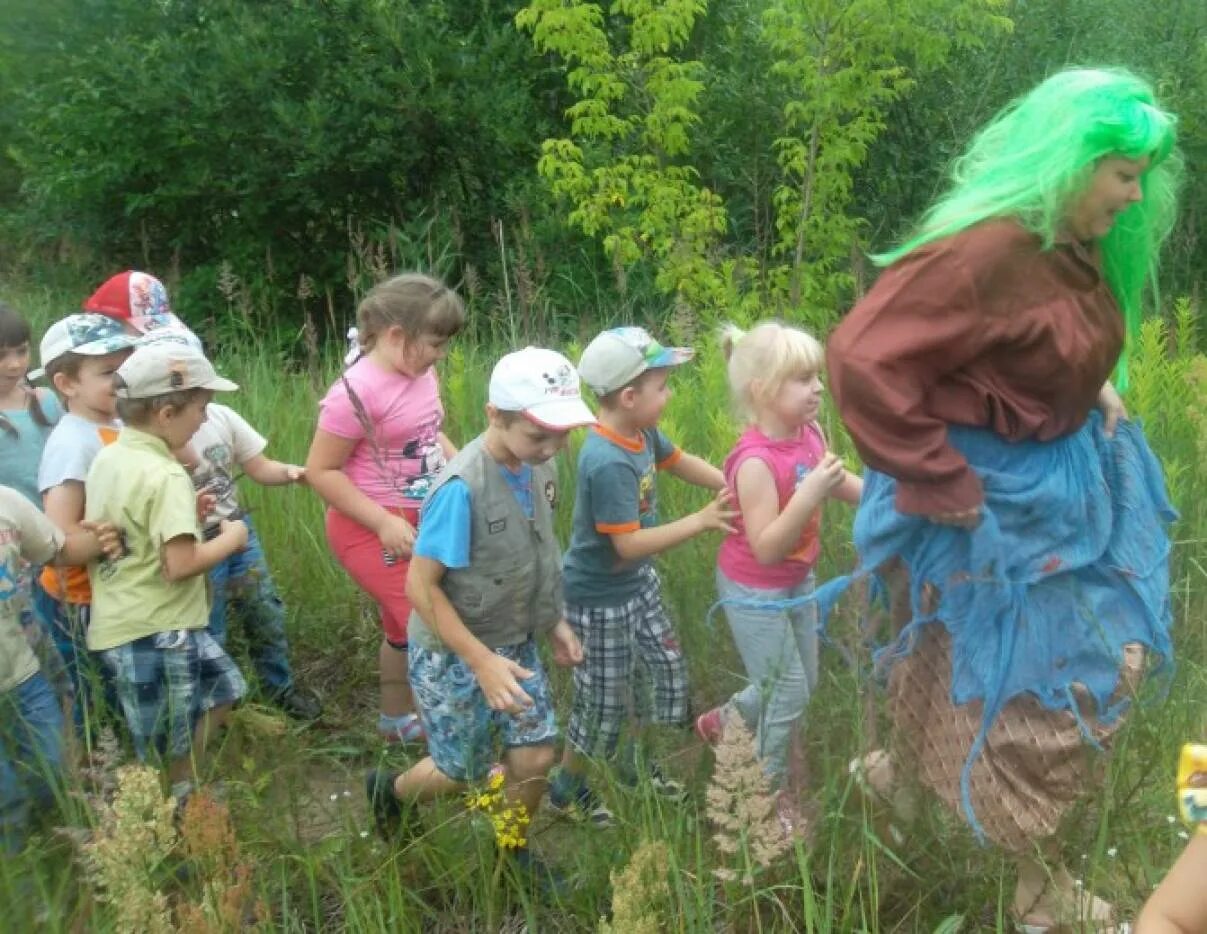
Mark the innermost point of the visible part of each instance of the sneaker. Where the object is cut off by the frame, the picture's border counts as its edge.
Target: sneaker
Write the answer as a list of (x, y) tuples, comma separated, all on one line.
[(710, 726), (577, 801), (663, 785), (405, 730), (298, 703), (537, 875), (392, 818)]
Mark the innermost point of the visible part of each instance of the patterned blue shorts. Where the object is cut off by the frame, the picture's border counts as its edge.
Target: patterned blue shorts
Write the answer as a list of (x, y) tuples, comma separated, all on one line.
[(461, 728), (166, 681)]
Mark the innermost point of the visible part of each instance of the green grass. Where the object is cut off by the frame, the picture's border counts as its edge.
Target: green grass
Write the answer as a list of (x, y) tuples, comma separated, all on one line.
[(297, 801)]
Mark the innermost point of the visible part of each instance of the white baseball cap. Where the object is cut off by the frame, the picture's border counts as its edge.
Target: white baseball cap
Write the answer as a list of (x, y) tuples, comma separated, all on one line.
[(89, 335), (164, 367), (617, 357), (541, 384)]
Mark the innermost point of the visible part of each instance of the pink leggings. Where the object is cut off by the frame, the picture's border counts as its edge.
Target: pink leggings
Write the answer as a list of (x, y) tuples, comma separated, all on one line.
[(359, 550)]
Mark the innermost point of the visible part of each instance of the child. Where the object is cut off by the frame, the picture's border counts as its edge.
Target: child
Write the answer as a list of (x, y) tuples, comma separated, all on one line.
[(26, 414), (242, 583), (175, 684), (781, 473), (485, 580), (613, 596), (79, 356), (31, 722), (374, 455)]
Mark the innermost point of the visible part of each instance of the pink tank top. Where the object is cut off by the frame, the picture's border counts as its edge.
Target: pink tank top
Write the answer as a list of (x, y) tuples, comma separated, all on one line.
[(789, 460)]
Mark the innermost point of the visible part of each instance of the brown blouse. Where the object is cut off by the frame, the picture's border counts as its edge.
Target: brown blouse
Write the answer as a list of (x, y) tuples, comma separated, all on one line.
[(984, 329)]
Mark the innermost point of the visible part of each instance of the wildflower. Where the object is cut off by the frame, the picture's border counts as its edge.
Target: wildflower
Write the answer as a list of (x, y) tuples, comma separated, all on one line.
[(640, 891), (1112, 852), (741, 804), (509, 819)]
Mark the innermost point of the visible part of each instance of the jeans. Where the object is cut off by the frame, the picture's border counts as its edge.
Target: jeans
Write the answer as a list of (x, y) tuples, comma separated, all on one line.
[(68, 626), (779, 649), (242, 585), (31, 756)]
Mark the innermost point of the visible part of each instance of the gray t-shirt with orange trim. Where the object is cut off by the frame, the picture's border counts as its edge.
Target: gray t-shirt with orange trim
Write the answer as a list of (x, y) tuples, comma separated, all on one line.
[(616, 491)]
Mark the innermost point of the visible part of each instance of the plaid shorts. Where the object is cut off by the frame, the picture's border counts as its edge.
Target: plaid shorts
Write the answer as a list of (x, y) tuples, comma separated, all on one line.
[(166, 681), (461, 728), (615, 639)]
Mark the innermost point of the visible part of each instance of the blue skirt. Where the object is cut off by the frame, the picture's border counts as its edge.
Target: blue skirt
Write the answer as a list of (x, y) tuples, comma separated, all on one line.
[(1069, 565)]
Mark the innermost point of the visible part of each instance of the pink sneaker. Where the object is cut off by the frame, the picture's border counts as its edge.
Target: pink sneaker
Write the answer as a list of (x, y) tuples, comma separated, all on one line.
[(710, 727), (409, 730)]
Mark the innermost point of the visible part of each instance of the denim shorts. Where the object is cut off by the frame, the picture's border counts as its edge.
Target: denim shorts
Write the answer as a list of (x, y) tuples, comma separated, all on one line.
[(166, 681), (461, 728)]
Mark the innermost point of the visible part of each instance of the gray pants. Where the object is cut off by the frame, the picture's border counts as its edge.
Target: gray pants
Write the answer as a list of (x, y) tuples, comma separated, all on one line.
[(779, 650)]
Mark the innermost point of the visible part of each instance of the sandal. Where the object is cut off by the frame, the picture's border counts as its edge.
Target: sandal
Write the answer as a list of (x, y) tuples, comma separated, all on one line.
[(1065, 907)]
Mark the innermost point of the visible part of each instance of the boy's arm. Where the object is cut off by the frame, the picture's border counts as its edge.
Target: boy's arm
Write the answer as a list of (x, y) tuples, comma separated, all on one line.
[(64, 505), (184, 557), (268, 472), (697, 471), (498, 677), (447, 446), (641, 543)]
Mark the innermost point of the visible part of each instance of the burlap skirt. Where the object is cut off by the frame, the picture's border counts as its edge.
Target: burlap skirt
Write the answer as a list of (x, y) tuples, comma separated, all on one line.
[(1036, 763)]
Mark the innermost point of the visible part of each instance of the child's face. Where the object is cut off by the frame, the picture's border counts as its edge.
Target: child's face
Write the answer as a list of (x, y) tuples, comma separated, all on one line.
[(649, 397), (176, 426), (797, 402), (14, 364), (90, 394), (524, 441), (414, 356)]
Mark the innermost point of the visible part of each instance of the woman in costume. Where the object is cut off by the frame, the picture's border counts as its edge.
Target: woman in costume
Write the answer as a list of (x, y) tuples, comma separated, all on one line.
[(1015, 515)]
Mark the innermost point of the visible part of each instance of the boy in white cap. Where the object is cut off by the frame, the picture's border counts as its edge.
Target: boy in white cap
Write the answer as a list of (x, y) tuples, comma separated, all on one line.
[(174, 683), (613, 596), (485, 581), (79, 355)]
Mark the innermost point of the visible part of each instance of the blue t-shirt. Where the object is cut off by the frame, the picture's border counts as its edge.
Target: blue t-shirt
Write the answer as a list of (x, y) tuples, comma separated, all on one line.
[(444, 532), (20, 454), (616, 491)]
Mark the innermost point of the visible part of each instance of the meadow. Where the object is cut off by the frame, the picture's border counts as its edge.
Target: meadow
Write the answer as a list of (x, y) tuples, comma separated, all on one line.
[(302, 843)]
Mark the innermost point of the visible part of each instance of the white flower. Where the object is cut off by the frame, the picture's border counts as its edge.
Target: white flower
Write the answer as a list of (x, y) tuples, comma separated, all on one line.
[(1169, 819), (363, 834), (334, 797), (1183, 835), (1112, 852)]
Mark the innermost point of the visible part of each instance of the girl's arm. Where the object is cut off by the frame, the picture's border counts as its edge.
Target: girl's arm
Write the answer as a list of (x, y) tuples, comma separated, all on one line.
[(447, 446), (267, 472), (697, 471), (774, 534), (325, 474), (1179, 905), (850, 489)]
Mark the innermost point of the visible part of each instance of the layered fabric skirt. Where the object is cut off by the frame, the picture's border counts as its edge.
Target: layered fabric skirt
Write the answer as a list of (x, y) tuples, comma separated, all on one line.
[(1019, 645)]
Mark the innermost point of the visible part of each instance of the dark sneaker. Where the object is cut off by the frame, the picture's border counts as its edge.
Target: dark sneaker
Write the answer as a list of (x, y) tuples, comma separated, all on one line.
[(394, 819), (576, 800), (299, 703), (534, 874), (664, 785)]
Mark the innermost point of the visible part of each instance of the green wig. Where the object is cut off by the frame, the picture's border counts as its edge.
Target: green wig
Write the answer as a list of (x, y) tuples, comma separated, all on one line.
[(1038, 154)]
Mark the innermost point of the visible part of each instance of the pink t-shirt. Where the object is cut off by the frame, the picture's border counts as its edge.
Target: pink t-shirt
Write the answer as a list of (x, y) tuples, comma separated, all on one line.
[(398, 452), (789, 460)]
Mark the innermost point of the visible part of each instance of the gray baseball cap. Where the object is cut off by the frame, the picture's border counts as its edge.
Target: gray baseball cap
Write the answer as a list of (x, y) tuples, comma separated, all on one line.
[(617, 357)]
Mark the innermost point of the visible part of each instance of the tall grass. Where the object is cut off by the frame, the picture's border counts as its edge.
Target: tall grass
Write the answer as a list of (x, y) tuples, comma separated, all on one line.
[(295, 794)]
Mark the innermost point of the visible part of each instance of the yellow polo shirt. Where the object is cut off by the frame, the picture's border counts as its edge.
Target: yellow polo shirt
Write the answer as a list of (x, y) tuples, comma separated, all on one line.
[(137, 484)]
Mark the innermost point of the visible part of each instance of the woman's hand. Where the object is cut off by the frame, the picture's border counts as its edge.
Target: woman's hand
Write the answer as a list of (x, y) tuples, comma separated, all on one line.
[(1112, 408)]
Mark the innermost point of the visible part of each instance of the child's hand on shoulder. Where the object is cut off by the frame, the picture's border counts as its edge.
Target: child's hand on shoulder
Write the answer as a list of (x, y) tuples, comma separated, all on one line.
[(109, 537), (567, 650), (235, 531), (397, 536), (718, 515), (499, 678), (824, 478)]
